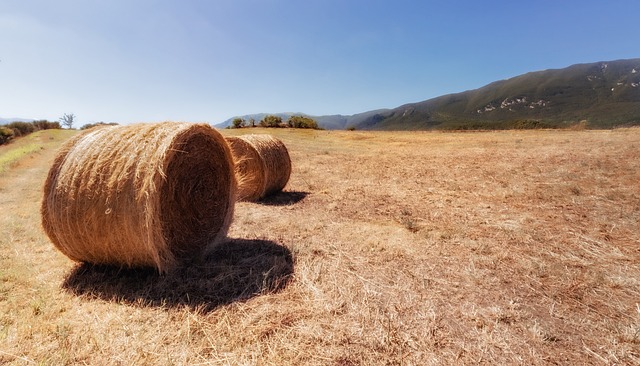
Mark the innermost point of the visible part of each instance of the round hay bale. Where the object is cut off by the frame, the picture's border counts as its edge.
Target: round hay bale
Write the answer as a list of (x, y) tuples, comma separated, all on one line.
[(140, 195), (249, 169), (263, 165)]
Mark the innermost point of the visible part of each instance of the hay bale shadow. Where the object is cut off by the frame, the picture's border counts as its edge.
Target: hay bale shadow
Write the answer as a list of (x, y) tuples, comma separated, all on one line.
[(236, 270), (283, 198)]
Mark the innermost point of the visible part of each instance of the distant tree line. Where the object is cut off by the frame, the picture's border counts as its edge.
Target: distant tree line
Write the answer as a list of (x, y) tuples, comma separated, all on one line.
[(276, 121), (16, 129), (91, 125)]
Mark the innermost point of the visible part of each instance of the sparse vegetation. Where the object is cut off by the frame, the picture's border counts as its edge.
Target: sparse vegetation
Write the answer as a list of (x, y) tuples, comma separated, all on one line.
[(582, 125), (98, 124), (19, 129), (403, 248)]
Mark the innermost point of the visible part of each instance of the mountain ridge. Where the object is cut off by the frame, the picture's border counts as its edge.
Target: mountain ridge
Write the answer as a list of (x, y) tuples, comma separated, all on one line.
[(605, 94)]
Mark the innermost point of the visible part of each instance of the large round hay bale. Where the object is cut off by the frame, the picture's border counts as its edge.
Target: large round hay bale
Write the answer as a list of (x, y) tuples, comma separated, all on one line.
[(140, 195), (263, 165)]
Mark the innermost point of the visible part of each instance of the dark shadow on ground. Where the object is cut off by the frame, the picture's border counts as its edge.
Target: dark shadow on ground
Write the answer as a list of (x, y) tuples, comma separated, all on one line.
[(283, 198), (237, 270)]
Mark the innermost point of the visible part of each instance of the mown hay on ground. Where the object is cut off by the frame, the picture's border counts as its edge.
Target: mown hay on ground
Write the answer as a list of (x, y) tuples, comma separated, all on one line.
[(140, 195)]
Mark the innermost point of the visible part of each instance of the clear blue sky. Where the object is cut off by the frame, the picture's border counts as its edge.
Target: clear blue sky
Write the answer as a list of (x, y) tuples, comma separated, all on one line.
[(206, 61)]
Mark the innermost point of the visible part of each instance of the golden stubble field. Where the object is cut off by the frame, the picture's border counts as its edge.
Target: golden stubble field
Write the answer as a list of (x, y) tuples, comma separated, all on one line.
[(386, 248)]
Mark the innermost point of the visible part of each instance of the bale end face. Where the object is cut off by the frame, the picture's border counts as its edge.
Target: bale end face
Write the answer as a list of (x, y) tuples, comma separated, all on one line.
[(197, 198)]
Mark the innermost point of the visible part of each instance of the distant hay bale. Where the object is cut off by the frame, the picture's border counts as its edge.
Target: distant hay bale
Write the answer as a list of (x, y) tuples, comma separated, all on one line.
[(263, 165), (140, 195), (249, 169)]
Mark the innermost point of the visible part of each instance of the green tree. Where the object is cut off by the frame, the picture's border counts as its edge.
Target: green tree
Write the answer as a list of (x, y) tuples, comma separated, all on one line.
[(271, 121), (302, 122), (238, 122)]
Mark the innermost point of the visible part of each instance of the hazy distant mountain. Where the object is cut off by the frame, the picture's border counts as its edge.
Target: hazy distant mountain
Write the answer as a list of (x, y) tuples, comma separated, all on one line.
[(4, 121), (605, 94)]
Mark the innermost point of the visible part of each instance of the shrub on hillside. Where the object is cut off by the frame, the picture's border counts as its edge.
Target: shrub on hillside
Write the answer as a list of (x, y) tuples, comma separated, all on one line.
[(21, 128), (302, 122), (17, 129), (6, 134), (530, 125), (43, 124)]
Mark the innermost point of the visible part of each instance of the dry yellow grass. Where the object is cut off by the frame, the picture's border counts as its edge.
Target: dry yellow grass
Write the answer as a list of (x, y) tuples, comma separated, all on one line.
[(386, 248)]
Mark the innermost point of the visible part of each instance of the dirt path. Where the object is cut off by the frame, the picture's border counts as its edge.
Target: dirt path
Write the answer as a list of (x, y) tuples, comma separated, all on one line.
[(17, 182), (24, 248), (21, 184)]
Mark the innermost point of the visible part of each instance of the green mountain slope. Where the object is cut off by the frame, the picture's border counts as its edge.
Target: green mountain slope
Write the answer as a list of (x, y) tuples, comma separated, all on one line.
[(605, 94)]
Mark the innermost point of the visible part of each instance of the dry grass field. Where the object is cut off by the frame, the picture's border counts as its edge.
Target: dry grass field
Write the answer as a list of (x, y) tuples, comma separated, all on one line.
[(386, 248)]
